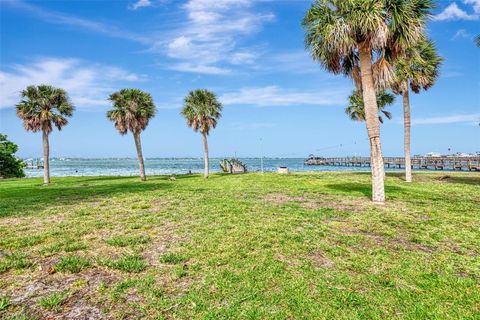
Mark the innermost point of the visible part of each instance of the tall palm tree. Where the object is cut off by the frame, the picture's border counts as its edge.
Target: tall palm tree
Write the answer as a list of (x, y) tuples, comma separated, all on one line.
[(356, 108), (43, 107), (477, 40), (202, 111), (419, 69), (132, 110), (353, 37)]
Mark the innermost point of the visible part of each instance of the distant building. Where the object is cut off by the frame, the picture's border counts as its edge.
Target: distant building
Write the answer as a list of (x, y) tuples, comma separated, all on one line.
[(432, 154)]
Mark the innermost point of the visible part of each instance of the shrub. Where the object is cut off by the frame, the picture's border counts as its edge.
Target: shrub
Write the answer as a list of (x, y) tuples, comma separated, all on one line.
[(10, 166)]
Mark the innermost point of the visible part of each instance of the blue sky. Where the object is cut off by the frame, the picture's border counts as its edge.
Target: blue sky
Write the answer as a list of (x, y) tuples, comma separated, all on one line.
[(250, 53)]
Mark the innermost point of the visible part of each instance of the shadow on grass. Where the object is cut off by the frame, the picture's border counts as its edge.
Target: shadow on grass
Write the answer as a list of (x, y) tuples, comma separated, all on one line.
[(472, 178), (31, 198), (364, 188)]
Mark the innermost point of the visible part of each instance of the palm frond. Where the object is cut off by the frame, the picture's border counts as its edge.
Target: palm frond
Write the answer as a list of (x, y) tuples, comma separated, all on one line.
[(201, 110), (356, 108), (43, 107), (334, 30), (132, 110)]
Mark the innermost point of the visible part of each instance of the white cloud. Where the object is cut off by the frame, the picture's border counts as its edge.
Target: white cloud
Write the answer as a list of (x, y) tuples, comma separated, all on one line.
[(276, 96), (453, 12), (463, 34), (243, 58), (87, 84), (69, 20), (198, 68), (298, 62), (475, 4), (210, 35), (459, 118), (140, 4)]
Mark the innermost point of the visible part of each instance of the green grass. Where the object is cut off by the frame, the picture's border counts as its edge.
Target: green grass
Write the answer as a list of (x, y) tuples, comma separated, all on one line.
[(127, 263), (72, 264), (121, 241), (15, 260), (172, 258), (4, 303), (253, 246), (53, 302)]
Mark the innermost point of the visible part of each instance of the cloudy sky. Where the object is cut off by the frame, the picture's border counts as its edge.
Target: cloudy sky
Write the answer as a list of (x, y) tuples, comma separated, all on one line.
[(250, 53)]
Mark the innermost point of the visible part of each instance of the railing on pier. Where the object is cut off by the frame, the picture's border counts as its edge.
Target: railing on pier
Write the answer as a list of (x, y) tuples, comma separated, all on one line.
[(437, 163)]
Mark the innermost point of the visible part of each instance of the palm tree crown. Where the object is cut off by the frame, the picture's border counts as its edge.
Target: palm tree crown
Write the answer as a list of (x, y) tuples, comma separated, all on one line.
[(419, 67), (356, 107), (43, 107), (336, 29), (202, 110), (132, 110)]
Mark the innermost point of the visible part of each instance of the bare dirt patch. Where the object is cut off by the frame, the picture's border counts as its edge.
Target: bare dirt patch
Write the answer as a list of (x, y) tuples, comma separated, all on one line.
[(378, 239), (279, 198), (316, 202), (79, 289), (159, 204), (320, 260)]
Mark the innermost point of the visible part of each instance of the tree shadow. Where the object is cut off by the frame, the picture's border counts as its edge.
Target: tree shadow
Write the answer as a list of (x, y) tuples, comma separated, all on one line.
[(364, 188), (470, 178), (31, 198), (473, 179)]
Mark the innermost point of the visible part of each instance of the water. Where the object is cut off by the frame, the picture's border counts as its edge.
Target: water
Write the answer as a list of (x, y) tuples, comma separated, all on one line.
[(60, 167)]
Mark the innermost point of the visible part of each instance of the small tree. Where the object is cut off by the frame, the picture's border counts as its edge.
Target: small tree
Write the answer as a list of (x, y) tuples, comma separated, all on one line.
[(418, 68), (10, 166), (356, 107), (202, 111), (132, 110), (41, 108)]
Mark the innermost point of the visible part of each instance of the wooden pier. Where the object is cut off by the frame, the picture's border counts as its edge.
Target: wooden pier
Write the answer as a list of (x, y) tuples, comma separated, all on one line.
[(437, 163)]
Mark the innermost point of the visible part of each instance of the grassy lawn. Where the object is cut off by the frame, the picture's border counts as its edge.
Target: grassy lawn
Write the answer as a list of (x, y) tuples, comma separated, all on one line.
[(302, 246)]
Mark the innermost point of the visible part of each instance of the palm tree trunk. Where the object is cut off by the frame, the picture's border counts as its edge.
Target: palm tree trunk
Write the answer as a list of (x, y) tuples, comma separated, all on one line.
[(138, 145), (205, 155), (406, 135), (46, 160), (373, 125)]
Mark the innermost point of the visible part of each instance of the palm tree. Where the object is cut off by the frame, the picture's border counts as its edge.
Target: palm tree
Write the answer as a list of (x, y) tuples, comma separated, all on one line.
[(132, 110), (41, 108), (419, 68), (353, 37), (356, 108), (477, 40), (202, 111)]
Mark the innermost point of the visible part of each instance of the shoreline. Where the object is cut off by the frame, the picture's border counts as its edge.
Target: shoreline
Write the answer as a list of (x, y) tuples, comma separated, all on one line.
[(218, 173)]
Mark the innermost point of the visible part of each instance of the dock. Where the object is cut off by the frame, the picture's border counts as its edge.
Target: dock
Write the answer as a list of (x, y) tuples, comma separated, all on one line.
[(33, 164), (436, 163)]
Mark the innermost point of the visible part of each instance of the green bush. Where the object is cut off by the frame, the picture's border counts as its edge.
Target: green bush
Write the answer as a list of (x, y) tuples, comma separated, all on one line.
[(10, 166)]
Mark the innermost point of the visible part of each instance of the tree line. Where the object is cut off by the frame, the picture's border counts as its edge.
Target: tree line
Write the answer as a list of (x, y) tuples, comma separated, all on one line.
[(381, 45), (44, 107)]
